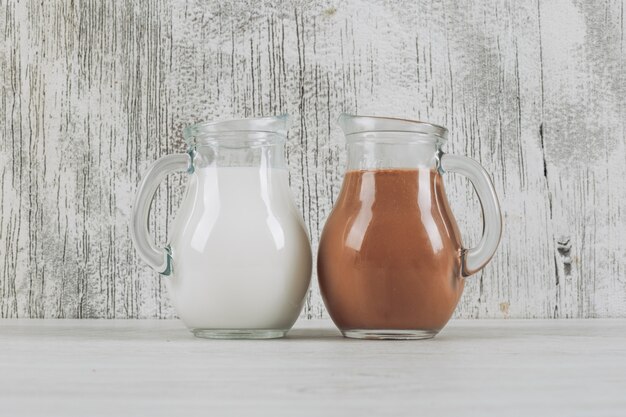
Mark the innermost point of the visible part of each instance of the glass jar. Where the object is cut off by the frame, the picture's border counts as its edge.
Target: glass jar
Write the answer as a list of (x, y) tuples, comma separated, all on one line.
[(238, 264), (391, 264)]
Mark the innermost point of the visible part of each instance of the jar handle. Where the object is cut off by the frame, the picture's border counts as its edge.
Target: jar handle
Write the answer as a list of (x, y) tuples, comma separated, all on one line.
[(157, 258), (474, 259)]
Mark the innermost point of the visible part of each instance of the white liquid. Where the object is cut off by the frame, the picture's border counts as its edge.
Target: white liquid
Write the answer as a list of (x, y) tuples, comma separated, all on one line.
[(241, 255)]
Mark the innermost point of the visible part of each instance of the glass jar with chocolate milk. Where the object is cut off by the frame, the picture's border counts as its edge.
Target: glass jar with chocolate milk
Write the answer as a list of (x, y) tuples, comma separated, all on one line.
[(391, 264)]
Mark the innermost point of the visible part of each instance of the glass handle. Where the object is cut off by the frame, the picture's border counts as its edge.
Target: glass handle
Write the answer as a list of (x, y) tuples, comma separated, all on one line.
[(157, 258), (474, 259)]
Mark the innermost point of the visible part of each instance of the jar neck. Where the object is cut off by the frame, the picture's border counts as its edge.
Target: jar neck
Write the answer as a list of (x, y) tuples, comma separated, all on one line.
[(269, 156), (375, 155)]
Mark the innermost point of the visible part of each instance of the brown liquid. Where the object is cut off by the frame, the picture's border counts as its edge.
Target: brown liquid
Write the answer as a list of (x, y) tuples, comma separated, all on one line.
[(389, 256)]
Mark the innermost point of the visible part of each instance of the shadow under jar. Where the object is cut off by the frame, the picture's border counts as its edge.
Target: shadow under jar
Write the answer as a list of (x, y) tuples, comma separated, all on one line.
[(391, 264)]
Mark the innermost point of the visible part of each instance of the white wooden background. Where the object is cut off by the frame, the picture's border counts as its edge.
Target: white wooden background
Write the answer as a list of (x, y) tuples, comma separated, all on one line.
[(94, 91)]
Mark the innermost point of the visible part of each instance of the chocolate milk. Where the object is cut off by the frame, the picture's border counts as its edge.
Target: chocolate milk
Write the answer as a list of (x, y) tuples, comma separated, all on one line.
[(389, 255)]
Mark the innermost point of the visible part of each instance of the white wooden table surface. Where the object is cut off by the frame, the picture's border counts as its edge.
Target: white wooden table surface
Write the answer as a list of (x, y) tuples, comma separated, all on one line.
[(156, 368)]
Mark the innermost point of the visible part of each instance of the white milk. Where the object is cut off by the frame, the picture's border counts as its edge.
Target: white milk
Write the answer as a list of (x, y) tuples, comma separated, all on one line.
[(241, 255)]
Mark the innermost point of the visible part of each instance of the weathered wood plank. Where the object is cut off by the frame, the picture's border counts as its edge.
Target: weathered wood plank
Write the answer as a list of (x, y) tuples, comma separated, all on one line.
[(92, 93)]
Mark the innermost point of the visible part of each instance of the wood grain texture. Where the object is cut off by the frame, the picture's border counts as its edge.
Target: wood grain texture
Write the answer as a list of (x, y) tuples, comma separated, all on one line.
[(157, 368), (93, 92)]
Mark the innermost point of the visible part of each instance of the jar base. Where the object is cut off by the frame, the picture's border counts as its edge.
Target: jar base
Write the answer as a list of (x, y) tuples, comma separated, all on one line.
[(239, 333), (390, 334)]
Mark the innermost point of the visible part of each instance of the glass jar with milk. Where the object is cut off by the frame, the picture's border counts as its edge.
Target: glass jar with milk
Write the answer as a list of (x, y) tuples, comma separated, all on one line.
[(238, 264)]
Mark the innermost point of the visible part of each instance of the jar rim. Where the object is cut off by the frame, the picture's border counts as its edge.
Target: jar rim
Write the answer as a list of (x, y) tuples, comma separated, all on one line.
[(368, 127), (251, 131)]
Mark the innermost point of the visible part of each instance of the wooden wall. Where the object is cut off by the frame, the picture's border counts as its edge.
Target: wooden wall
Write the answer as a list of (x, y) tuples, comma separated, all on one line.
[(94, 91)]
